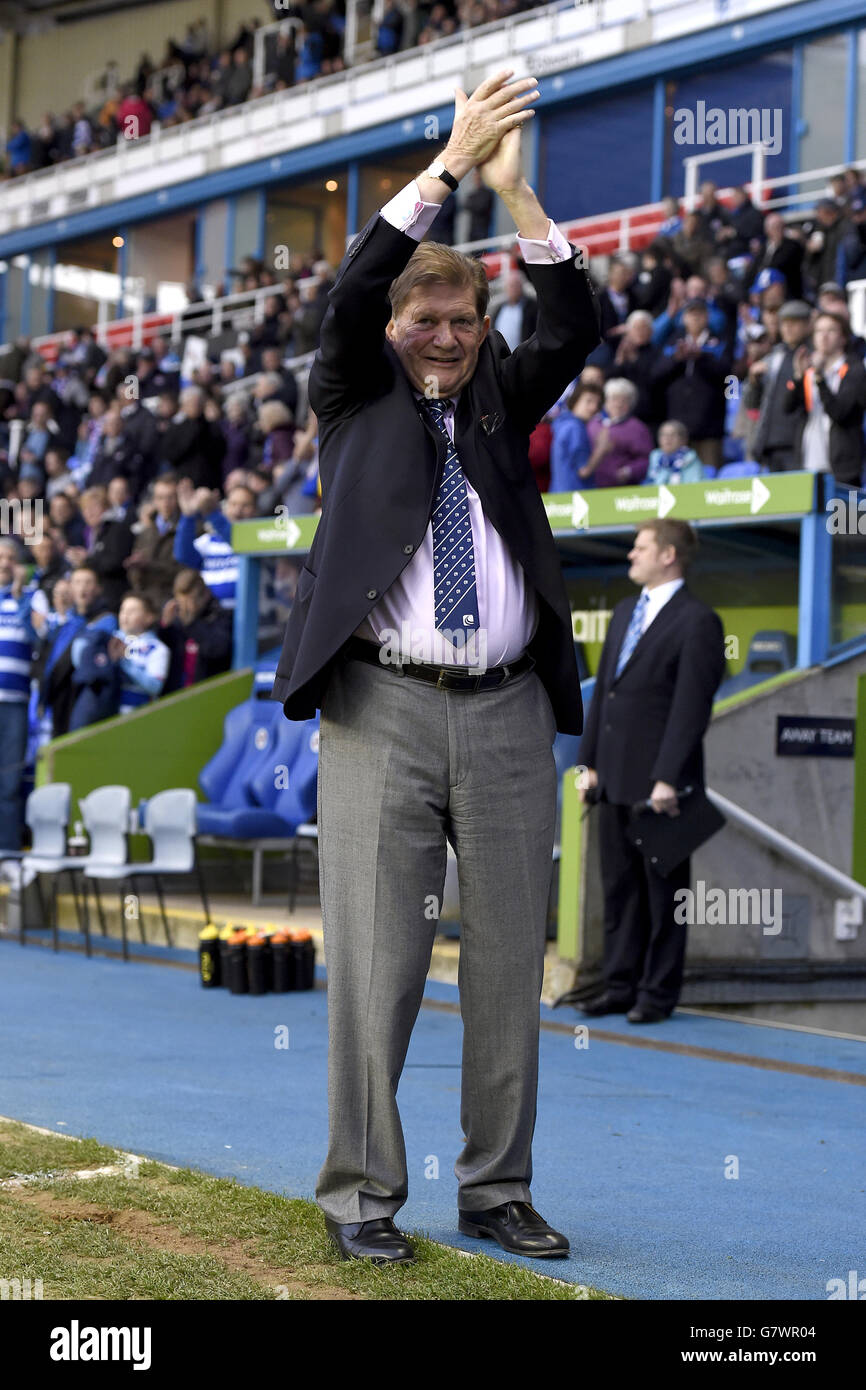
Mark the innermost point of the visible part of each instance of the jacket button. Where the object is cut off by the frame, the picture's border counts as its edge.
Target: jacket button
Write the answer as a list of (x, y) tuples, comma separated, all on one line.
[(372, 593), (611, 695), (607, 728), (407, 549)]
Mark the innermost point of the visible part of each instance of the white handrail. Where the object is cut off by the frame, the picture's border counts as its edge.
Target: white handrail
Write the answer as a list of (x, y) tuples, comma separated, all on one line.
[(782, 844)]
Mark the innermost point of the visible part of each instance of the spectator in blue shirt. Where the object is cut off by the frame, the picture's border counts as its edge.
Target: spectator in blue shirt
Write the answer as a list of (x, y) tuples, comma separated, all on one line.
[(19, 149), (673, 461), (211, 553), (571, 446), (17, 640)]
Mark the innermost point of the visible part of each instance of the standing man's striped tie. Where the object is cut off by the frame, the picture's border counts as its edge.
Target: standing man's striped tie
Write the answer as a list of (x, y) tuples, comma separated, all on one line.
[(633, 632), (455, 597)]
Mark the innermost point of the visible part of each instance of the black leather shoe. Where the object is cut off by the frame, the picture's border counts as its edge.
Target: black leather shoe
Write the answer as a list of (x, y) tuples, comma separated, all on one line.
[(377, 1240), (518, 1228), (645, 1013), (605, 1004)]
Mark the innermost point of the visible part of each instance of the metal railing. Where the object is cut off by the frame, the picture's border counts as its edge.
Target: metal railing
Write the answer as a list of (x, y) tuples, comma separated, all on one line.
[(787, 848)]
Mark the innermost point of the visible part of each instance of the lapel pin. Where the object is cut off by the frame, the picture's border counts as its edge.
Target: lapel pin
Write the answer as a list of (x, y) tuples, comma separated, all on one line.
[(490, 423)]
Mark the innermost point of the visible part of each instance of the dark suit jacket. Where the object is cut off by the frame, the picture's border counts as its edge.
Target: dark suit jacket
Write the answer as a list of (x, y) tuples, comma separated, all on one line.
[(648, 725), (379, 464)]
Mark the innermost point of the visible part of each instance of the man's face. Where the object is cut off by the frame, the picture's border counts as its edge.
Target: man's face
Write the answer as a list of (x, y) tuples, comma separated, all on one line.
[(647, 563), (84, 587), (91, 510), (829, 338), (773, 297), (695, 321), (42, 552), (118, 492), (437, 336), (514, 288), (165, 500), (793, 332), (240, 505), (7, 565)]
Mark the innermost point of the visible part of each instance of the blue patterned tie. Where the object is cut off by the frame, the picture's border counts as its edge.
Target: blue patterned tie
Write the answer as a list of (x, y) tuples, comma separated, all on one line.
[(633, 633), (455, 597)]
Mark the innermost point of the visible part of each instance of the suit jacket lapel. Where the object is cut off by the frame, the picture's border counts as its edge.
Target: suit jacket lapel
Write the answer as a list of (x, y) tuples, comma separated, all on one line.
[(656, 630)]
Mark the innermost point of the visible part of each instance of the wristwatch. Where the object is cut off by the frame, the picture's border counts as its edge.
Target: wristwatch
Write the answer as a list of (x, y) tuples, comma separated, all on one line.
[(437, 170)]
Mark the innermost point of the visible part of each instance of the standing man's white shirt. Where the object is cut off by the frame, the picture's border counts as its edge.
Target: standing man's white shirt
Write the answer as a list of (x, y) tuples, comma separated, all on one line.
[(507, 605), (657, 598)]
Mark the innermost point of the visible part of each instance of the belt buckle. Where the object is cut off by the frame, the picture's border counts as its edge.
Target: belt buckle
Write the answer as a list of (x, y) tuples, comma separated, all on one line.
[(441, 679)]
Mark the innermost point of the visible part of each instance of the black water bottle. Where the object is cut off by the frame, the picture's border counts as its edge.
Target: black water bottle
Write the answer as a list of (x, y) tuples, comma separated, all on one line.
[(258, 964), (209, 957), (282, 963), (225, 933), (237, 962), (304, 957)]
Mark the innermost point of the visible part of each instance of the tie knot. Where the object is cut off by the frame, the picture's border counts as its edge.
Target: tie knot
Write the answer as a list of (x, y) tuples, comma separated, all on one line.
[(436, 406)]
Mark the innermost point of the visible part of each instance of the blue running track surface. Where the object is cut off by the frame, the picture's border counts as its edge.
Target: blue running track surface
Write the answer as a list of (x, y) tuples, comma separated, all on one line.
[(635, 1131)]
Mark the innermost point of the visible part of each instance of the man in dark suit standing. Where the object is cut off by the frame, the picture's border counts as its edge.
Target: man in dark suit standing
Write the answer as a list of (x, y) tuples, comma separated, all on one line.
[(432, 627), (660, 667)]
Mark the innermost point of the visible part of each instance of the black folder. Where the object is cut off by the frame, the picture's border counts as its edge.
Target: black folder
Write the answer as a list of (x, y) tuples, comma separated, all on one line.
[(665, 841)]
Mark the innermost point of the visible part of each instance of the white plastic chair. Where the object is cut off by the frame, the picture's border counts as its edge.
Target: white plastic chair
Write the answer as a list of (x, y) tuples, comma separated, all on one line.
[(47, 816), (105, 812), (170, 824)]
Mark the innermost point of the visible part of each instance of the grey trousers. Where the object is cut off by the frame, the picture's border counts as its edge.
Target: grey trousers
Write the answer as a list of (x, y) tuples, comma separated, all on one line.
[(402, 766)]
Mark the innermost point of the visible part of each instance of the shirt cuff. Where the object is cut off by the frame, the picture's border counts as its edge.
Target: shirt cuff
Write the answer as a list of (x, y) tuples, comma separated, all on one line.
[(554, 248), (408, 213)]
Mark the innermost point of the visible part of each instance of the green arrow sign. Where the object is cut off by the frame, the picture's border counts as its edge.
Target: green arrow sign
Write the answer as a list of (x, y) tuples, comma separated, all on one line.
[(765, 495), (274, 535)]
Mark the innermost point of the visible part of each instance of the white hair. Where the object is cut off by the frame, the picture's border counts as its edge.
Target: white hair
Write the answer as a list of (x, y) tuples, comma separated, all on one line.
[(621, 386), (638, 316)]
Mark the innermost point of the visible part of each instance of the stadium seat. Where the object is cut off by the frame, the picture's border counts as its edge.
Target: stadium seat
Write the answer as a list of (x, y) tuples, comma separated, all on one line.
[(770, 653), (47, 816), (746, 468), (169, 822), (250, 735), (105, 812), (261, 785), (733, 449)]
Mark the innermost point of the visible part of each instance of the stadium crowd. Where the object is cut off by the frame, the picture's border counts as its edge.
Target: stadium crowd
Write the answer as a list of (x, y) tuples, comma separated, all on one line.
[(193, 78), (726, 350)]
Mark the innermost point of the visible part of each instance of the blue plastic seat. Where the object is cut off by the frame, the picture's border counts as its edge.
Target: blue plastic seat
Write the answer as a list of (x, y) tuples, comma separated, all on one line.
[(287, 787), (770, 653), (746, 468), (251, 733)]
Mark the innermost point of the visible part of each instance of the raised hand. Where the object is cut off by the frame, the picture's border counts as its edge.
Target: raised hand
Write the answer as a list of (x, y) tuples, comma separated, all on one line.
[(496, 107)]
